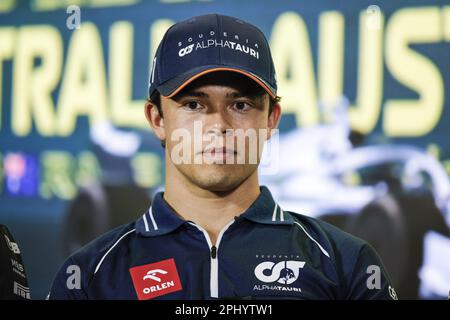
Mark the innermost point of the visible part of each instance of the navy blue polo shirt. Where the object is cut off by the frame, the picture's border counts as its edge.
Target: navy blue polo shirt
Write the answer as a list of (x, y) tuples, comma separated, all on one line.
[(264, 253)]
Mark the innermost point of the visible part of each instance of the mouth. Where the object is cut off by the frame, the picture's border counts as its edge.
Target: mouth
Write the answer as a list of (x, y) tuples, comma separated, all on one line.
[(219, 153)]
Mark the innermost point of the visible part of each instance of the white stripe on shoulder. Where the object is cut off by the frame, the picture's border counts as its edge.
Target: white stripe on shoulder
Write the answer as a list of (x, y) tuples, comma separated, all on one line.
[(281, 214), (155, 226), (145, 222), (115, 243), (274, 215), (314, 240)]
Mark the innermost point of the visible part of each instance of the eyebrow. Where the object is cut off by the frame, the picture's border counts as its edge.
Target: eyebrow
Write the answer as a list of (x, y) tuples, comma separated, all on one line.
[(202, 94), (197, 94)]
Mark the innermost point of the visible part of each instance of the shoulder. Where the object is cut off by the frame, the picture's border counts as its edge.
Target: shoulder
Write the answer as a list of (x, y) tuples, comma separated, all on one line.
[(354, 259), (94, 254), (79, 269), (344, 249), (327, 232)]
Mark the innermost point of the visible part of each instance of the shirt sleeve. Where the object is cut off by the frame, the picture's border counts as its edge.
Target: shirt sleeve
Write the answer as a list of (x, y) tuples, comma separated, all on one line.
[(67, 284), (369, 279)]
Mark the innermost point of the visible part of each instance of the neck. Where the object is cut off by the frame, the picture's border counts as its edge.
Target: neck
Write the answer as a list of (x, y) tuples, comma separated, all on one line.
[(209, 209)]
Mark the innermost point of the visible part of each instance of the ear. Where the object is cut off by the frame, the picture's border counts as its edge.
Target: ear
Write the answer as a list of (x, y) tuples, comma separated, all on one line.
[(274, 119), (155, 120)]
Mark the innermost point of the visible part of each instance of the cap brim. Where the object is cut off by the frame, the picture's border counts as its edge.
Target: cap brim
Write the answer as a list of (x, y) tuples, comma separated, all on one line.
[(173, 86)]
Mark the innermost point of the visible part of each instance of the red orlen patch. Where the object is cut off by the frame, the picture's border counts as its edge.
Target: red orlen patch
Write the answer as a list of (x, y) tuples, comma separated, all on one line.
[(155, 279)]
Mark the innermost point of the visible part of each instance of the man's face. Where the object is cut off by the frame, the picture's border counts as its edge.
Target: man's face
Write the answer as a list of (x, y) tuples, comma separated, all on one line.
[(215, 129)]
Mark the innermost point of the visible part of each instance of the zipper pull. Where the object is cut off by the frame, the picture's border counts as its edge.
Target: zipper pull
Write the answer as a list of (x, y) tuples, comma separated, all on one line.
[(213, 252)]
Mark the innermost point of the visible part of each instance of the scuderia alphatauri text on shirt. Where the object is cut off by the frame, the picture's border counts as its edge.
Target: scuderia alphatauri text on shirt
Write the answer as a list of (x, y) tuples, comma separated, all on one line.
[(263, 253)]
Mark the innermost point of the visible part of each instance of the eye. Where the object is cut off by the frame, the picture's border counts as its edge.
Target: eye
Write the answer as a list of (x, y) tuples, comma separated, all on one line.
[(241, 106), (192, 106)]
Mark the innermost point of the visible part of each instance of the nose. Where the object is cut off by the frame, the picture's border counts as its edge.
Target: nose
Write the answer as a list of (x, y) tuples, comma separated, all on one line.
[(216, 124)]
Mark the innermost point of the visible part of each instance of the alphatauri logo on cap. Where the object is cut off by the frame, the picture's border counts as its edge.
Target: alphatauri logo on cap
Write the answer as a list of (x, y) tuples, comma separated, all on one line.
[(214, 40), (155, 279)]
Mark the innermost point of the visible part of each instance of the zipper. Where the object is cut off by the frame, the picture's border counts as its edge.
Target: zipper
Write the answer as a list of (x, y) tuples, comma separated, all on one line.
[(213, 252), (214, 261)]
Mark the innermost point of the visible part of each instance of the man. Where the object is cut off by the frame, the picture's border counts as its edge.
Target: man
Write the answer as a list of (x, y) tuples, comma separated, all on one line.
[(214, 232)]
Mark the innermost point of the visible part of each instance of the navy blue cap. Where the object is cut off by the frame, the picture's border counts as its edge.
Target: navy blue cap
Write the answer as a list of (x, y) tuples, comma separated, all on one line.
[(209, 43)]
